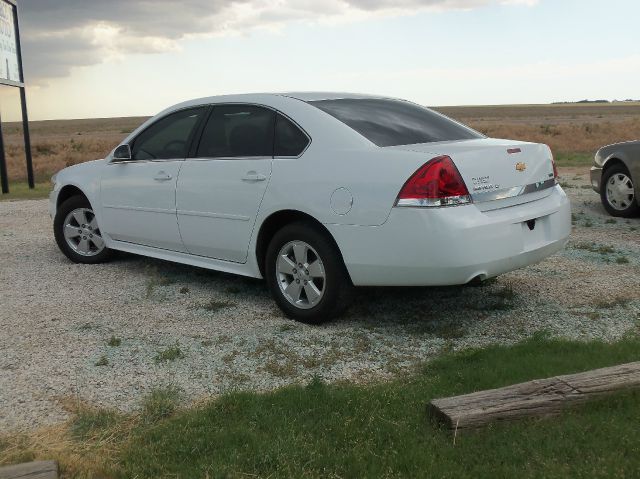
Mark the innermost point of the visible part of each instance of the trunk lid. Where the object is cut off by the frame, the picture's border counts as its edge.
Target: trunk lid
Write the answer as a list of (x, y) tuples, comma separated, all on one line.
[(498, 173)]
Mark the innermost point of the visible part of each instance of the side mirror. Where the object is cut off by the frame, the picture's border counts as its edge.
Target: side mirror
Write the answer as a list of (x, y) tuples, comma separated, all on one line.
[(122, 153)]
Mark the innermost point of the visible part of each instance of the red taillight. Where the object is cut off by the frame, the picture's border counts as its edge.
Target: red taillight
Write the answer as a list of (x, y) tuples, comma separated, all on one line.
[(553, 164), (436, 183)]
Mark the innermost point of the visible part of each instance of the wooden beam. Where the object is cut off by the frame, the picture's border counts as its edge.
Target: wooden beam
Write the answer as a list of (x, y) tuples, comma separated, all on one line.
[(541, 397), (31, 470)]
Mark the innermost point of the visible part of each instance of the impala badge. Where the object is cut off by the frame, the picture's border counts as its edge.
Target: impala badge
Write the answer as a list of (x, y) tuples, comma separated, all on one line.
[(521, 166)]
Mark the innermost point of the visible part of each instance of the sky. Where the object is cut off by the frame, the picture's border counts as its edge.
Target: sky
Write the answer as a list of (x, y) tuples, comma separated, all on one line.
[(88, 59)]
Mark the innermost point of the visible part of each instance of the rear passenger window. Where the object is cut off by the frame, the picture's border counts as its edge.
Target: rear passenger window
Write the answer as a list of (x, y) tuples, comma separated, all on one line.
[(290, 140), (237, 131)]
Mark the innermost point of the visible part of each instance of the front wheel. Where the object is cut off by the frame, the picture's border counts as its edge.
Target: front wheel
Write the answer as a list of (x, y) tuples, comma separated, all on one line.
[(77, 232), (306, 274), (618, 193)]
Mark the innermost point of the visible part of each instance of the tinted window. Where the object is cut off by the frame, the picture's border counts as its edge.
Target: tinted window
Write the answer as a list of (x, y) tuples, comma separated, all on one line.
[(290, 140), (237, 131), (167, 138), (395, 122)]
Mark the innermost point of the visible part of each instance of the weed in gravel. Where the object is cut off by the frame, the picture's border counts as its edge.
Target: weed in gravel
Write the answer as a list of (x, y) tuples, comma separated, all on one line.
[(184, 290), (450, 331), (103, 361), (618, 301), (610, 221), (154, 280), (286, 328), (499, 300), (588, 224), (280, 360), (362, 344), (566, 184), (594, 315), (622, 260), (278, 369), (114, 342), (234, 377), (230, 357), (594, 248), (206, 343), (223, 339), (160, 404), (216, 305), (506, 292), (87, 327), (170, 354)]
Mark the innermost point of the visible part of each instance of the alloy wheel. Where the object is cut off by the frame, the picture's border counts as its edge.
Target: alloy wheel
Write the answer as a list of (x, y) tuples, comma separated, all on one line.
[(301, 275), (81, 232)]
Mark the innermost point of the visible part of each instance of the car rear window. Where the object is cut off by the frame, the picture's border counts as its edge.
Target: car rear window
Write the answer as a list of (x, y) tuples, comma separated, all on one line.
[(395, 122)]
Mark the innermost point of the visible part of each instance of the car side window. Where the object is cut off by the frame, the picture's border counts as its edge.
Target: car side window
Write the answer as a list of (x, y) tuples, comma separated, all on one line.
[(238, 131), (289, 140), (168, 138)]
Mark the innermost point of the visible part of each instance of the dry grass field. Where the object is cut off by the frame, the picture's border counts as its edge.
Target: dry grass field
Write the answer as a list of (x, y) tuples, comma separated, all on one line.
[(574, 132)]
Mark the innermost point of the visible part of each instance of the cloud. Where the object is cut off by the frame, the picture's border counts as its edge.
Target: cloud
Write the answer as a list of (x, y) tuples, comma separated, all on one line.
[(62, 34)]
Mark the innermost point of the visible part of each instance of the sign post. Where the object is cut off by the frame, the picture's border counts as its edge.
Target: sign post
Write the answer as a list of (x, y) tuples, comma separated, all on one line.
[(12, 74)]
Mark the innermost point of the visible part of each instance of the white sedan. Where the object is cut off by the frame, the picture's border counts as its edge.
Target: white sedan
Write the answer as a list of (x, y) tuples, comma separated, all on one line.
[(316, 193)]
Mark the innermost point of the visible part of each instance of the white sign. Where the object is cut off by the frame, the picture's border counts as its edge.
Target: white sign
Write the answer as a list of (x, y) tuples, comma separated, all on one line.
[(8, 46)]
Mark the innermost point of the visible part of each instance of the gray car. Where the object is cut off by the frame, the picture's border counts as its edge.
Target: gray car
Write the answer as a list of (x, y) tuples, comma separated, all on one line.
[(616, 176)]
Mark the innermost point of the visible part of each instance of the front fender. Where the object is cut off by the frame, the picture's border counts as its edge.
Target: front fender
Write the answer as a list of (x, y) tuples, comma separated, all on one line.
[(84, 177)]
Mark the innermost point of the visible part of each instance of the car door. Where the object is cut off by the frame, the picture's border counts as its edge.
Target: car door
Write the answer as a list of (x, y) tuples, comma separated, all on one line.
[(139, 195), (220, 188)]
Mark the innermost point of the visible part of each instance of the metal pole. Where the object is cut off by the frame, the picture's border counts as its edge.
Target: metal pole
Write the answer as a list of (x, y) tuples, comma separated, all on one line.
[(23, 101), (27, 137), (3, 164)]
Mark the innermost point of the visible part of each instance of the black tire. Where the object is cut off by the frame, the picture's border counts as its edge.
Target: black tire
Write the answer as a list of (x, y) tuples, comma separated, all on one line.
[(633, 209), (69, 205), (337, 286)]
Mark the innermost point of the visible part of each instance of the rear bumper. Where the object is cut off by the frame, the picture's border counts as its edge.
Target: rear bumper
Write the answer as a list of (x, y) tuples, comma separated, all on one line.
[(596, 178), (450, 246)]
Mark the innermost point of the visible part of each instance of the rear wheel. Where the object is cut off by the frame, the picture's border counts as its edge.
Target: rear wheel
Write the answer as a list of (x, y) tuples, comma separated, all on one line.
[(306, 275), (617, 192), (77, 232)]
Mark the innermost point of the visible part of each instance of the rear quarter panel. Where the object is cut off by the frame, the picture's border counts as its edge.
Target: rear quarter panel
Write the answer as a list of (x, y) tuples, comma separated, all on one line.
[(337, 157), (372, 176)]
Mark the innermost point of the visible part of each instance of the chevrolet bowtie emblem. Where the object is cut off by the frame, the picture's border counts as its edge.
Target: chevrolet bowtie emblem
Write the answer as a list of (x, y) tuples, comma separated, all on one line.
[(521, 166)]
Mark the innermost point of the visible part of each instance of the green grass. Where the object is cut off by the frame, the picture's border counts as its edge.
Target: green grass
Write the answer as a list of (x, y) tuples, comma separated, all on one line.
[(160, 404), (89, 423), (383, 430), (21, 191), (574, 159)]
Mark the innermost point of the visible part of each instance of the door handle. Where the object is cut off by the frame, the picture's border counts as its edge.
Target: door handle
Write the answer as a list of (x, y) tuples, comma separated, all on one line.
[(162, 176), (253, 176)]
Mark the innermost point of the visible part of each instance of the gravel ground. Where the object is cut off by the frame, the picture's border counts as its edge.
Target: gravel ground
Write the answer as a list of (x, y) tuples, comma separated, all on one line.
[(57, 318)]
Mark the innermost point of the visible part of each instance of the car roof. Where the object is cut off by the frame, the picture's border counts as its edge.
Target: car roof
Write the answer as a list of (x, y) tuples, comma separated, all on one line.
[(317, 96), (257, 97)]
